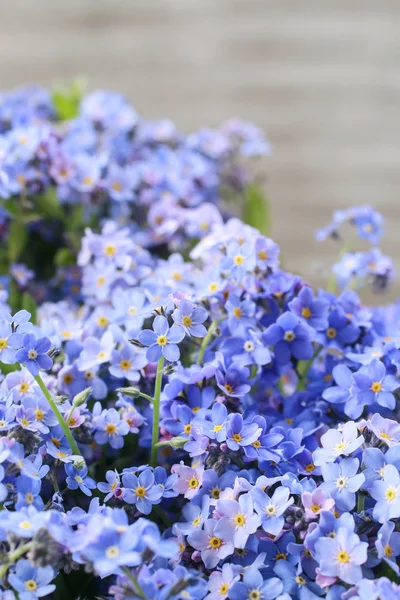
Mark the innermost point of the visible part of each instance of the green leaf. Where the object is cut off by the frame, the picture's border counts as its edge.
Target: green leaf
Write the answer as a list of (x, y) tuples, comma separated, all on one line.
[(64, 257), (17, 240), (29, 304), (48, 204), (256, 210), (6, 369), (67, 99)]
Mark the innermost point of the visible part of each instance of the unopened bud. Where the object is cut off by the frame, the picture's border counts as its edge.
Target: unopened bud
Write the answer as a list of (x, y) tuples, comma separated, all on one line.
[(129, 391), (79, 463), (81, 398)]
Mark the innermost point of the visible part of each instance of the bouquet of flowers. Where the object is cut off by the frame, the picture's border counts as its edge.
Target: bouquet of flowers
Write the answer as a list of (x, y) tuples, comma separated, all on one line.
[(181, 418)]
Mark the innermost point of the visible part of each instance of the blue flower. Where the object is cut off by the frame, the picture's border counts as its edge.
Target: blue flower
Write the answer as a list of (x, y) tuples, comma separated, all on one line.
[(212, 547), (342, 556), (290, 338), (141, 491), (375, 385), (253, 587), (127, 362), (313, 311), (110, 428), (34, 353), (162, 341), (78, 478), (113, 549), (271, 510), (342, 482), (237, 517), (340, 331), (32, 582), (386, 492), (240, 433), (190, 318), (9, 343), (388, 545)]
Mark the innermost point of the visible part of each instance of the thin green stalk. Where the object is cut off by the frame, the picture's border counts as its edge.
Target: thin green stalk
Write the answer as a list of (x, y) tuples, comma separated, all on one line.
[(360, 502), (302, 381), (58, 415), (135, 583), (13, 557), (207, 339), (146, 397), (156, 412)]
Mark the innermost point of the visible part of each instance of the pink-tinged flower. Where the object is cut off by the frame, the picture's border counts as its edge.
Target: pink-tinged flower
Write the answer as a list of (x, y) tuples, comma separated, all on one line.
[(323, 580), (315, 502), (189, 479)]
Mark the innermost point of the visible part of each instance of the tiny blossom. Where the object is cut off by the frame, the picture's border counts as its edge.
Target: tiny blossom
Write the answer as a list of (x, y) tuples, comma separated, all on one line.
[(162, 341)]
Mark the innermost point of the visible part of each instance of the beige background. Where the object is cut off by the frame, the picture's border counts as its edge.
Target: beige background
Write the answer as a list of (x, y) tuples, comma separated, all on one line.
[(320, 76)]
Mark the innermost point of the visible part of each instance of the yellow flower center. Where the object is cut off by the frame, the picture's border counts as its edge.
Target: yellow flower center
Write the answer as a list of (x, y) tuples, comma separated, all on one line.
[(228, 388), (68, 379), (116, 186), (217, 428), (270, 510), (240, 520), (215, 542), (3, 343), (193, 483), (237, 437), (309, 468), (30, 585), (315, 508), (331, 333), (112, 552), (187, 429), (162, 340), (100, 280), (254, 595), (391, 494), (281, 556), (110, 250), (102, 321), (187, 321), (140, 491), (101, 355), (24, 387), (213, 287), (388, 551), (25, 525), (237, 312), (176, 276), (223, 589), (110, 428), (376, 387), (39, 414), (300, 580), (343, 557), (25, 422), (215, 493), (196, 522), (262, 255), (341, 447), (238, 260), (306, 312), (256, 444), (289, 336), (125, 365), (385, 436)]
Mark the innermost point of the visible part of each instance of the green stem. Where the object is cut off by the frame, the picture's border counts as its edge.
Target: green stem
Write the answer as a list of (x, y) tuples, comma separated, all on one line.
[(134, 582), (206, 339), (146, 396), (302, 381), (360, 502), (58, 415), (13, 557), (156, 412)]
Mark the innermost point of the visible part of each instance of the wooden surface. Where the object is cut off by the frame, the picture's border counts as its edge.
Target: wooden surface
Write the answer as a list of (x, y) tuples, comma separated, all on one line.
[(320, 76)]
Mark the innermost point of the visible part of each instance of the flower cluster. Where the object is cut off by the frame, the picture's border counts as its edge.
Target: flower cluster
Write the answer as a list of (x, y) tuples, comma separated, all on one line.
[(192, 421), (58, 175)]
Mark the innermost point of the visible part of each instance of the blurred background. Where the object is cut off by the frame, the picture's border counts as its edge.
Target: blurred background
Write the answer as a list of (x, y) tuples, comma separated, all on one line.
[(321, 78)]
